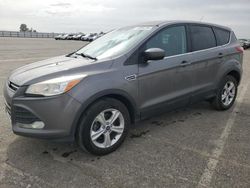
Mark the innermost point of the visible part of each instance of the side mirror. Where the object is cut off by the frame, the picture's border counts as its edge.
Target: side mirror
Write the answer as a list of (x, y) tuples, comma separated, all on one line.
[(154, 54)]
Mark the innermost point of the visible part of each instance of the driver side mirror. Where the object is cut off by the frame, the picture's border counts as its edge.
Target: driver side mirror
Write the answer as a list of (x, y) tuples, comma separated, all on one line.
[(154, 54)]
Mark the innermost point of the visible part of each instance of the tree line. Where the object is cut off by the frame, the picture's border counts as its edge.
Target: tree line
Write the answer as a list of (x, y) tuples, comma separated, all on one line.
[(24, 28)]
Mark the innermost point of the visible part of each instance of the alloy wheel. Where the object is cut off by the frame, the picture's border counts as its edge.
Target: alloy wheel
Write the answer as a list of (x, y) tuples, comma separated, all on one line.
[(107, 128), (228, 93)]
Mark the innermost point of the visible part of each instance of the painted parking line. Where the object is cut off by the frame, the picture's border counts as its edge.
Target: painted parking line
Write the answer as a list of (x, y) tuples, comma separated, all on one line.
[(207, 175)]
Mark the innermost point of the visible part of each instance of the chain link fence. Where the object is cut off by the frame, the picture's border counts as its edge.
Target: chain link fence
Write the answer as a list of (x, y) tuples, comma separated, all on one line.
[(27, 34)]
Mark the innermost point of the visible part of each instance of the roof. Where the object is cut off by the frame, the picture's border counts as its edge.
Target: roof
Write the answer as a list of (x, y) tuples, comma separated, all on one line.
[(166, 22)]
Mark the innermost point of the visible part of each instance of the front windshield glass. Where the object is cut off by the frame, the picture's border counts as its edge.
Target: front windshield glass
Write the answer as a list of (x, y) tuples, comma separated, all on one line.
[(115, 43)]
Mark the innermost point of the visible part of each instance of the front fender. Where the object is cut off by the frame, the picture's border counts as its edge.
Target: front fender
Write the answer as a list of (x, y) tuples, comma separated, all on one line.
[(102, 94)]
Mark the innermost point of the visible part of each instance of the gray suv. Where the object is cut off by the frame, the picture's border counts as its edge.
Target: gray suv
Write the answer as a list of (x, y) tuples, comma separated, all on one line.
[(94, 94)]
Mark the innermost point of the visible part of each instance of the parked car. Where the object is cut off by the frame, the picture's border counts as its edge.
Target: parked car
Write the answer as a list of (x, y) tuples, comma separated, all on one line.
[(58, 37), (92, 37), (74, 37), (64, 37), (248, 43), (70, 36), (85, 37), (93, 95), (244, 43), (78, 36)]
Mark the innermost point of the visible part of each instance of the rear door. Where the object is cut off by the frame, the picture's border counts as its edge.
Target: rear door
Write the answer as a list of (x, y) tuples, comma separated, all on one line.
[(166, 83), (206, 59)]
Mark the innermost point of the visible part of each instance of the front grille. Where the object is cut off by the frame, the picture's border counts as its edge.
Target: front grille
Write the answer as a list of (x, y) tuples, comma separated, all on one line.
[(13, 86), (24, 116)]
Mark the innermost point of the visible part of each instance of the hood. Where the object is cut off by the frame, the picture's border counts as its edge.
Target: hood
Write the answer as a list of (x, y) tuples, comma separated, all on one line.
[(56, 66)]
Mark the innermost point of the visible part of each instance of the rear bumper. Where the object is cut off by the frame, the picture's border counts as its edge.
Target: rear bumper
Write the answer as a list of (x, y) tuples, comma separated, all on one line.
[(57, 113)]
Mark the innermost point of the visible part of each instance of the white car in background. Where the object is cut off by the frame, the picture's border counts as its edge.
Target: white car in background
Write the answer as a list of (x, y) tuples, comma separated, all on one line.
[(77, 37), (64, 37), (85, 37), (92, 37), (58, 37)]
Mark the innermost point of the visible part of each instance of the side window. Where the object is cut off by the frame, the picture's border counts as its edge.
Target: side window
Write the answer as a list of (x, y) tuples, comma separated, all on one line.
[(222, 36), (202, 37), (172, 40), (233, 37)]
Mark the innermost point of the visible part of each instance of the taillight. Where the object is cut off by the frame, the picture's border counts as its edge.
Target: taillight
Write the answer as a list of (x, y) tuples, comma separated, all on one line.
[(239, 49)]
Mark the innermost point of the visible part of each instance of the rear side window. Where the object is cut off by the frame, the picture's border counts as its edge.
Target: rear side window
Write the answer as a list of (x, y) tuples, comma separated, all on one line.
[(222, 36), (202, 37), (233, 37)]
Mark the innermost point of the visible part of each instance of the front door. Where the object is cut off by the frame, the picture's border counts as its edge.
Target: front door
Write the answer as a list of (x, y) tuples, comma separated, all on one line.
[(167, 83)]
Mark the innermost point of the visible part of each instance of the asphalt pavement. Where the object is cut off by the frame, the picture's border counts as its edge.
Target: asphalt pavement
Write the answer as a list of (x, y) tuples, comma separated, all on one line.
[(192, 147)]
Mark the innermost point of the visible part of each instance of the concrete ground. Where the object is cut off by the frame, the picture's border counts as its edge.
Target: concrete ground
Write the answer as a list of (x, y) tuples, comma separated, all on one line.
[(192, 147)]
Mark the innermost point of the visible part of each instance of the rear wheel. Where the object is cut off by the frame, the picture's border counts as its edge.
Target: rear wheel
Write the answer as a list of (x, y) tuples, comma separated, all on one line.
[(226, 94), (104, 127)]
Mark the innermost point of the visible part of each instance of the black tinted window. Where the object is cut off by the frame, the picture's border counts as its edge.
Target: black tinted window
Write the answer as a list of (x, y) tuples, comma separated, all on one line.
[(202, 37), (222, 36), (172, 40)]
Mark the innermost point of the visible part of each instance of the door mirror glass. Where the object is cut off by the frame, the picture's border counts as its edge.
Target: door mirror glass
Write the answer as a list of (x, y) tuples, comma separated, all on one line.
[(154, 54)]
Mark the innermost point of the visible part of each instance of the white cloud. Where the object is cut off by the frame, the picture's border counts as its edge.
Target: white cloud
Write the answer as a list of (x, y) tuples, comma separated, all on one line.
[(61, 4), (96, 15)]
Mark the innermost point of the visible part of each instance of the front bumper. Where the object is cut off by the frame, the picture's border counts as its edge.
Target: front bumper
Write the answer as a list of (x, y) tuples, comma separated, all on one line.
[(58, 114)]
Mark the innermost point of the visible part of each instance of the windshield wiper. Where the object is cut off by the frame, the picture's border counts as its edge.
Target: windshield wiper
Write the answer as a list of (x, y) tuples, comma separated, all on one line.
[(86, 55), (68, 55)]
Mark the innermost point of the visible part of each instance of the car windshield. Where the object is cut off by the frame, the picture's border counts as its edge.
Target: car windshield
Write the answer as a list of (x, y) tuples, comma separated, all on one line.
[(115, 43)]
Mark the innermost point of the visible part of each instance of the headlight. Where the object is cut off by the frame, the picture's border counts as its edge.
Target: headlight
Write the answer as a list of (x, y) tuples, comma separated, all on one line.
[(55, 86)]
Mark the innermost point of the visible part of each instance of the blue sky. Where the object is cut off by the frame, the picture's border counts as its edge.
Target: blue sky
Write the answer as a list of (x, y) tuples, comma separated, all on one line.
[(100, 15)]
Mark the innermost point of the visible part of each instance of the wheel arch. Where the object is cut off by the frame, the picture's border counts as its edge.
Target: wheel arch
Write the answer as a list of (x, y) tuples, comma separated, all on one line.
[(235, 74), (120, 95), (231, 68)]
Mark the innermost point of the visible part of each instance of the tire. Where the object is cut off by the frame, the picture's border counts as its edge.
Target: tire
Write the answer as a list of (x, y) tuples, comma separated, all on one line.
[(225, 99), (93, 123)]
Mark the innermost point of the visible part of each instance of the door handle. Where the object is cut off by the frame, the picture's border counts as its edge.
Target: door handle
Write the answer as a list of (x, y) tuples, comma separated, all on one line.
[(185, 63), (220, 55)]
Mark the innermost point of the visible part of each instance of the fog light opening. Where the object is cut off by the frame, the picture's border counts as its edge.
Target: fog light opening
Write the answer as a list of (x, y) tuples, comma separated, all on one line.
[(35, 125)]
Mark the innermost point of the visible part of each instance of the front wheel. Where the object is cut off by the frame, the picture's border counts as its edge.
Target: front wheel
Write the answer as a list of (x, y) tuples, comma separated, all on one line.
[(226, 94), (104, 127)]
